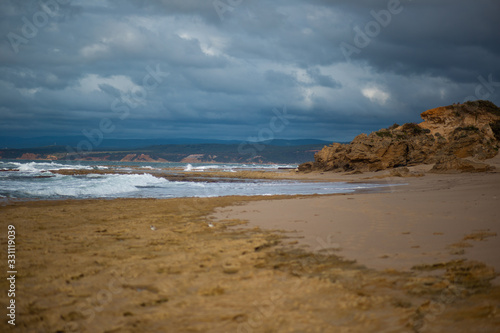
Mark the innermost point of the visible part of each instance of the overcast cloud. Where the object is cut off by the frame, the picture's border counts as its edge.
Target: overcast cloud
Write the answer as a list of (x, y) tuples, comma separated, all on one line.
[(217, 69)]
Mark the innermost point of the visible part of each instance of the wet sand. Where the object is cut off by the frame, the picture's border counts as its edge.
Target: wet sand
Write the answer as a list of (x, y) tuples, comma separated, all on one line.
[(436, 218), (98, 266)]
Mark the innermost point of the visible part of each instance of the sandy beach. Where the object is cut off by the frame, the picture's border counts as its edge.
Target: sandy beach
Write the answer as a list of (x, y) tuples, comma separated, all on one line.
[(421, 257), (436, 218)]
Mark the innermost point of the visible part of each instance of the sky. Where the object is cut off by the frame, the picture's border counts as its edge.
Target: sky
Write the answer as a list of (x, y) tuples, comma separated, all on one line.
[(239, 69)]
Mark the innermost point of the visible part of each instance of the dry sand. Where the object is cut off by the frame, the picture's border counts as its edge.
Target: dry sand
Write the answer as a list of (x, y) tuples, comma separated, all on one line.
[(97, 266)]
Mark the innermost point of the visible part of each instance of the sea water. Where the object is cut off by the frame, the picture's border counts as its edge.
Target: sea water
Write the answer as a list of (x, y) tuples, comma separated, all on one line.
[(33, 180)]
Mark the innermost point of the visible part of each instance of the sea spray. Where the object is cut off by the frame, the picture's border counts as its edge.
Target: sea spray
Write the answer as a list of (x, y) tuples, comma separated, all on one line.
[(33, 180)]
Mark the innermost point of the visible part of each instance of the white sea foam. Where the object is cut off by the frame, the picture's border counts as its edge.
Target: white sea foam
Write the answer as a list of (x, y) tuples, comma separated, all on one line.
[(205, 167), (34, 181), (94, 185), (236, 167), (36, 167)]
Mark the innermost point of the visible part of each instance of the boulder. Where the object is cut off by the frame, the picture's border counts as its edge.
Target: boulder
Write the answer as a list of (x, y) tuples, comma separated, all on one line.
[(306, 167)]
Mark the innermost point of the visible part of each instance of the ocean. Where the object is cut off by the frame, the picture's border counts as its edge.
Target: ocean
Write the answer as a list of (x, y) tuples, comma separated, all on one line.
[(32, 180)]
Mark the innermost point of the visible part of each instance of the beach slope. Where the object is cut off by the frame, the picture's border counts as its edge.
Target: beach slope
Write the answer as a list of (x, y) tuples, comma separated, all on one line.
[(130, 265)]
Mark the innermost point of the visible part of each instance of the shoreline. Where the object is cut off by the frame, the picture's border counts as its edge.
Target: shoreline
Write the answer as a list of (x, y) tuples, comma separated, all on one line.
[(128, 264)]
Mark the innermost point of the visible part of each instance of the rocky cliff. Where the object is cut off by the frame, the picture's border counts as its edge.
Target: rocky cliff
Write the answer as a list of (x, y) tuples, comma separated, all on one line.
[(456, 131)]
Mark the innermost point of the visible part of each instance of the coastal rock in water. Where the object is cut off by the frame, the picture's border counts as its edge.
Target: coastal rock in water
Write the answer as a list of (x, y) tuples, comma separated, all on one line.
[(464, 130)]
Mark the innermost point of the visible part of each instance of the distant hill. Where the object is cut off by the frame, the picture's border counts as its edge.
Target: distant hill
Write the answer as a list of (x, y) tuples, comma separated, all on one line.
[(291, 143), (72, 141), (194, 151)]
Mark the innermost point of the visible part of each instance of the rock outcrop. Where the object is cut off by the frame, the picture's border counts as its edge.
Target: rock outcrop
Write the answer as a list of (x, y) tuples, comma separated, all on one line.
[(464, 130), (454, 164), (29, 156)]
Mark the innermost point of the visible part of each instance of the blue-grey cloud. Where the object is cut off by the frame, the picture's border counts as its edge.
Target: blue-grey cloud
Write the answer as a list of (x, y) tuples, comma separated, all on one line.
[(340, 67)]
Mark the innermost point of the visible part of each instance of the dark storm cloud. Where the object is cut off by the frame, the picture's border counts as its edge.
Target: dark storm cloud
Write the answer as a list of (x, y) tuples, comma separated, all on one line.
[(222, 66), (453, 39)]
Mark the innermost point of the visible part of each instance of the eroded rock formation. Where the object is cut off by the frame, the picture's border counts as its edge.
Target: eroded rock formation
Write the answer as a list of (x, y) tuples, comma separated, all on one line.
[(464, 130)]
